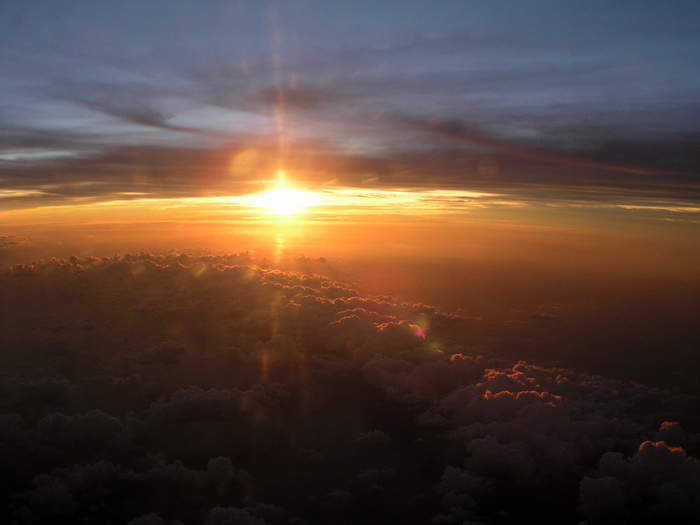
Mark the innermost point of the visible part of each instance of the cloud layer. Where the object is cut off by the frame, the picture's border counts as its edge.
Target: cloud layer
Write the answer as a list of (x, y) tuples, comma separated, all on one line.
[(189, 389)]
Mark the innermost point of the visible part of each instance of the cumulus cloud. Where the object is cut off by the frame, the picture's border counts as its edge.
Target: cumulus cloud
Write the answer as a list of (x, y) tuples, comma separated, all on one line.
[(209, 391), (657, 483), (232, 516), (373, 437)]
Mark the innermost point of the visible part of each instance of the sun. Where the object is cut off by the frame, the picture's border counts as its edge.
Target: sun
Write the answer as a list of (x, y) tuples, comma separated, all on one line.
[(283, 201)]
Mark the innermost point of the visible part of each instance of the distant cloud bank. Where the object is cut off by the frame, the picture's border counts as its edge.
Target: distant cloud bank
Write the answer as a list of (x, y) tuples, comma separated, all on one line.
[(12, 240)]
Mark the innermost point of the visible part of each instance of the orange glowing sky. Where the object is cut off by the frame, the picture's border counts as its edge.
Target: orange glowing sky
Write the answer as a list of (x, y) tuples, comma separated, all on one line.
[(578, 240)]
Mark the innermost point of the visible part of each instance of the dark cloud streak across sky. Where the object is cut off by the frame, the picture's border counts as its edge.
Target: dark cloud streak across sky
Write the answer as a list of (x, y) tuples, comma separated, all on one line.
[(595, 88)]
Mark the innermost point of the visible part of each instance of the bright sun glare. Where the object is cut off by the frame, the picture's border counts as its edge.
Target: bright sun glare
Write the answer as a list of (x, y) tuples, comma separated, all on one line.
[(284, 201)]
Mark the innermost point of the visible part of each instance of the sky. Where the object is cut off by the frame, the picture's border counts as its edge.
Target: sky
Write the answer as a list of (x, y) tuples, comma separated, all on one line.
[(105, 98), (307, 262)]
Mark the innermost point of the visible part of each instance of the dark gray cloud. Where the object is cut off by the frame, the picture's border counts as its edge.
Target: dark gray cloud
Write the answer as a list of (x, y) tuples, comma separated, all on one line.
[(154, 389), (657, 483), (674, 161)]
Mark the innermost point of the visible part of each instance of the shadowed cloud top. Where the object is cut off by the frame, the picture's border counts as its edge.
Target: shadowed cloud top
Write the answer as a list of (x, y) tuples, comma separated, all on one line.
[(274, 397)]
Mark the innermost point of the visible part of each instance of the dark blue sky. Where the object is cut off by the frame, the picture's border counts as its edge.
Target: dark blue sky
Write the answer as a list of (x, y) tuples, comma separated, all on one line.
[(403, 91)]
